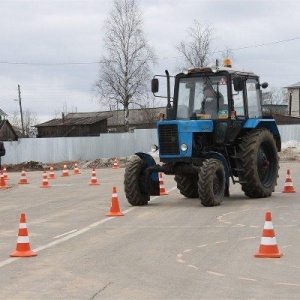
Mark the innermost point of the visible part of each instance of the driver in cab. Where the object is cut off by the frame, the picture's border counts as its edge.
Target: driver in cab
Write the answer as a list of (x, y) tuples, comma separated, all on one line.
[(209, 104)]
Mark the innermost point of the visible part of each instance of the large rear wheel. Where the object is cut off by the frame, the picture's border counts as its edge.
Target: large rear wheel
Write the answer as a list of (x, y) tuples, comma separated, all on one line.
[(211, 182), (137, 187), (258, 158)]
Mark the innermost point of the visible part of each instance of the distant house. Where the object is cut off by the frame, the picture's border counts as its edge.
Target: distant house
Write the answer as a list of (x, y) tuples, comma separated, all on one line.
[(7, 132), (74, 124), (293, 91)]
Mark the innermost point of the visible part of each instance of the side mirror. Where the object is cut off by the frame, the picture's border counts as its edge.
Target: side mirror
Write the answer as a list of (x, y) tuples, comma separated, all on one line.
[(264, 85), (238, 84), (154, 85)]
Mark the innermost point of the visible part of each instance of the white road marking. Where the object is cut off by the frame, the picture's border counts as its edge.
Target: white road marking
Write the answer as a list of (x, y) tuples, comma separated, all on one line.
[(288, 284), (202, 245), (214, 273), (73, 234), (58, 236), (194, 267), (244, 278)]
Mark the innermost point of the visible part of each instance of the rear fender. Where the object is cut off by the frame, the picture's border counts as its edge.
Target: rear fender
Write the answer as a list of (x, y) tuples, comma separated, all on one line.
[(270, 124)]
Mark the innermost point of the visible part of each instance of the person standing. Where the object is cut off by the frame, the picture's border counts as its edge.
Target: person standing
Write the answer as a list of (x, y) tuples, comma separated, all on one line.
[(2, 152)]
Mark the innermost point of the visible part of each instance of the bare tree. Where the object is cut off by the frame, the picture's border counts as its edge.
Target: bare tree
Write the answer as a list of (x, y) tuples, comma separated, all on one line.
[(64, 111), (125, 70), (196, 50), (275, 96), (29, 119)]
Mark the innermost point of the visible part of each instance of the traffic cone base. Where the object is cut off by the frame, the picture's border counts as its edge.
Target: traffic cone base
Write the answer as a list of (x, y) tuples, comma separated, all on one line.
[(23, 253), (288, 185), (115, 208), (270, 251), (23, 246), (268, 246)]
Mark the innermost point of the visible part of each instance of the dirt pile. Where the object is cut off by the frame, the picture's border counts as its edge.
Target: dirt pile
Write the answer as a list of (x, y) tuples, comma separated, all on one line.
[(290, 151), (98, 163)]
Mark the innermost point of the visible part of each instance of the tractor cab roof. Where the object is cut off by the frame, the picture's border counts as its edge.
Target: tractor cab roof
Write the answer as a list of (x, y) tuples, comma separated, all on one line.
[(216, 69)]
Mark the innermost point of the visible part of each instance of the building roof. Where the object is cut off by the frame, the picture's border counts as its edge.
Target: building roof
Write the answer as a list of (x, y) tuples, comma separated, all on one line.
[(77, 119), (114, 118), (136, 116), (293, 86)]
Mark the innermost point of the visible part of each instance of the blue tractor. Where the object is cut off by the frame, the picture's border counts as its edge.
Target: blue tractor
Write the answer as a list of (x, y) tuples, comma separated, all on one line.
[(213, 132)]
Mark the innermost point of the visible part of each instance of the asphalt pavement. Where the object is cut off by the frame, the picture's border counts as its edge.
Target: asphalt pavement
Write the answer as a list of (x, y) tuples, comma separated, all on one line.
[(173, 248)]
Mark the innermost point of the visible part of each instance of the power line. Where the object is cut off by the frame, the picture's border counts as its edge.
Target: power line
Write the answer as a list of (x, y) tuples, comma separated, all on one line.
[(172, 57), (260, 45)]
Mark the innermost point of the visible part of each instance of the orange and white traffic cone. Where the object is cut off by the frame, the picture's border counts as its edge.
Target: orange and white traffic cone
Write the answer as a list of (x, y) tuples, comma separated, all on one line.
[(2, 181), (94, 180), (114, 208), (51, 173), (268, 246), (5, 173), (76, 170), (23, 179), (23, 246), (115, 166), (45, 182), (65, 172), (162, 191), (288, 185)]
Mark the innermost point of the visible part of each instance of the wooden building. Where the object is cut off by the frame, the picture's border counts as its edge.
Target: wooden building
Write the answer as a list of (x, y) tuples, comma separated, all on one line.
[(7, 132), (74, 124)]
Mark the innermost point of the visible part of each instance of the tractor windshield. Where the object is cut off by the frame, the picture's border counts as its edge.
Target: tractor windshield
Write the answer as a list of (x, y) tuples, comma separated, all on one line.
[(202, 98)]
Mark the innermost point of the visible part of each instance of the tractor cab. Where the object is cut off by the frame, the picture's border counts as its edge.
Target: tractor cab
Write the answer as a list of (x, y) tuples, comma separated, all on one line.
[(214, 93)]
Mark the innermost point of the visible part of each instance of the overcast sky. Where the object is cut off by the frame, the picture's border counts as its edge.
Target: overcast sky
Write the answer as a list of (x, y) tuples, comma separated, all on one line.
[(51, 48)]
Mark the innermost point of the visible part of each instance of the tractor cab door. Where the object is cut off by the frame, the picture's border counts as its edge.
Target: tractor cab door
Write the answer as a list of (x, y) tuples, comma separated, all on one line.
[(227, 130)]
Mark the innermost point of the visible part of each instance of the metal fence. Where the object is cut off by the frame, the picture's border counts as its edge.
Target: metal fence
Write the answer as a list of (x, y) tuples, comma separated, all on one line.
[(53, 150)]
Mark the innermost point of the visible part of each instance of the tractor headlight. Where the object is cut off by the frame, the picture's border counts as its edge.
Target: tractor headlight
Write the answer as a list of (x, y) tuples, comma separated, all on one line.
[(184, 147), (154, 148)]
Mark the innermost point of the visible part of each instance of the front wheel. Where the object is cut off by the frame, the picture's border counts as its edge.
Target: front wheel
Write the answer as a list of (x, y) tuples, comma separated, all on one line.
[(211, 182), (137, 189), (187, 185)]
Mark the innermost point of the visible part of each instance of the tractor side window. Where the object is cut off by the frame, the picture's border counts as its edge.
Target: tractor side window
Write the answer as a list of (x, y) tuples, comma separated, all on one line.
[(253, 96), (183, 103)]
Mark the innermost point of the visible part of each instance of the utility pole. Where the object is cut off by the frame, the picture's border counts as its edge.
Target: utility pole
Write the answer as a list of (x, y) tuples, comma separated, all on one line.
[(21, 113)]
